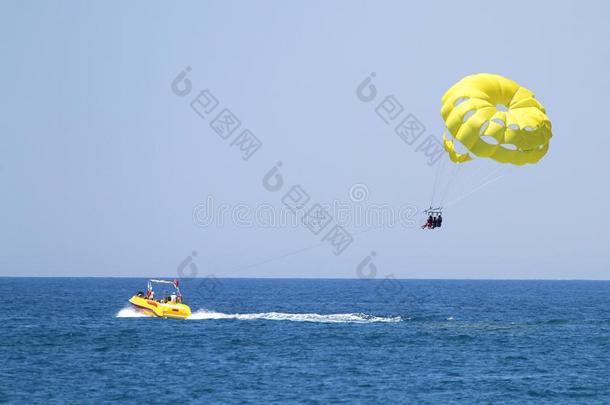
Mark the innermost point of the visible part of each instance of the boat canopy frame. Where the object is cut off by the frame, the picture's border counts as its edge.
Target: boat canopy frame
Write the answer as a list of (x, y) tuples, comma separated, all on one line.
[(175, 283)]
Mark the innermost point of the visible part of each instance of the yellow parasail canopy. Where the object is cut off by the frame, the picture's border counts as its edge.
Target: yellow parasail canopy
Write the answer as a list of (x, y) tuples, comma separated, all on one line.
[(490, 116)]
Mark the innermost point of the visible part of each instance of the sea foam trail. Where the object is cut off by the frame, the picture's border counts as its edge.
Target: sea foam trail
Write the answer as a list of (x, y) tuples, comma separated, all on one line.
[(279, 316), (129, 312)]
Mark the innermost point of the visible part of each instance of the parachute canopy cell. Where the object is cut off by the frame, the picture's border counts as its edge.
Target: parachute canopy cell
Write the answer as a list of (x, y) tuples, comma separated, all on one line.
[(490, 116)]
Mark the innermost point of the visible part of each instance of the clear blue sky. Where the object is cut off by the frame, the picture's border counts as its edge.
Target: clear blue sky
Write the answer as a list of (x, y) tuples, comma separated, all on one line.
[(101, 165)]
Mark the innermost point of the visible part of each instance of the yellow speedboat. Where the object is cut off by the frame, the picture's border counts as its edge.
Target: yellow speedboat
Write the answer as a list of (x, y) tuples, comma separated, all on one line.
[(167, 307)]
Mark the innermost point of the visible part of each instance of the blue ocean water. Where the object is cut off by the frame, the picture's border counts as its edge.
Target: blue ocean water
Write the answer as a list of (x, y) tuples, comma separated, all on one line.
[(75, 340)]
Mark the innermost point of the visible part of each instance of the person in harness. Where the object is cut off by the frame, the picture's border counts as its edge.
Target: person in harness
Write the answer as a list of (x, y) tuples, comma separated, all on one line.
[(429, 223), (435, 219)]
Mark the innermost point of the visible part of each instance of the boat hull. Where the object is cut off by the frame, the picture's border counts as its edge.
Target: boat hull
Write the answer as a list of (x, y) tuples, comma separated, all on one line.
[(160, 310)]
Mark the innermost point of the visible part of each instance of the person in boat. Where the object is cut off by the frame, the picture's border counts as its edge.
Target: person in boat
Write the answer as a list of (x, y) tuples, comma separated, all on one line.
[(173, 298), (428, 223), (150, 294)]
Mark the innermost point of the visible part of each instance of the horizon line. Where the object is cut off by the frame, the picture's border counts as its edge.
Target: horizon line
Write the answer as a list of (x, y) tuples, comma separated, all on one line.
[(323, 278)]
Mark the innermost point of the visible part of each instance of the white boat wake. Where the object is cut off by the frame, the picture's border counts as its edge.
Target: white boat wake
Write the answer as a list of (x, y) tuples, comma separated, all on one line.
[(202, 314), (129, 312), (280, 316)]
